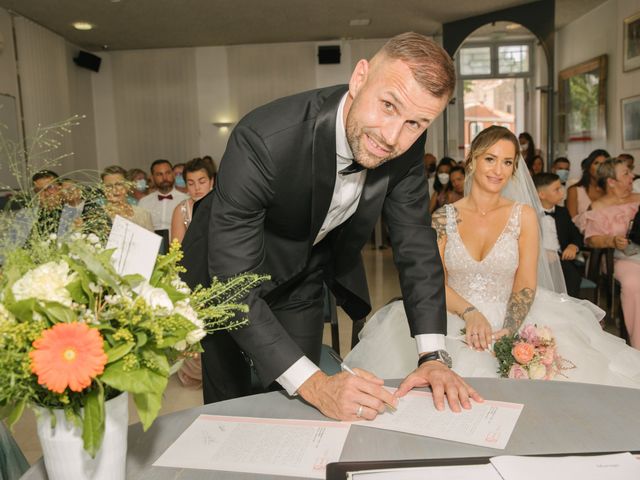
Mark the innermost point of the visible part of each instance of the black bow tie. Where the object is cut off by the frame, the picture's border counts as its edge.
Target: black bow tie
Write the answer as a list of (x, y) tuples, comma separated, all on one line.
[(553, 213), (355, 167), (165, 197)]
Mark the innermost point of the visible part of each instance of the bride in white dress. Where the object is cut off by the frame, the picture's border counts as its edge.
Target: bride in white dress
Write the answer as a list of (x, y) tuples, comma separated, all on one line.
[(490, 248)]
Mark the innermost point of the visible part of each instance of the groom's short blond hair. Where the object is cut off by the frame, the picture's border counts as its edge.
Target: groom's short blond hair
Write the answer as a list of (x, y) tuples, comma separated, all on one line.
[(429, 63)]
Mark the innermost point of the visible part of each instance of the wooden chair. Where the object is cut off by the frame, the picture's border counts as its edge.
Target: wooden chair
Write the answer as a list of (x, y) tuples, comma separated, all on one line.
[(600, 271)]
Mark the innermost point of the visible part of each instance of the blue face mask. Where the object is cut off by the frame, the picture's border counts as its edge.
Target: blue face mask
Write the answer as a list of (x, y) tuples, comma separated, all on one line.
[(180, 183), (141, 185), (563, 174)]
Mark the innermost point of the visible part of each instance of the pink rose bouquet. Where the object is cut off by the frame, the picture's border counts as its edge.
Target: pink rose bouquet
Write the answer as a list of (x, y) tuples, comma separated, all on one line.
[(531, 353)]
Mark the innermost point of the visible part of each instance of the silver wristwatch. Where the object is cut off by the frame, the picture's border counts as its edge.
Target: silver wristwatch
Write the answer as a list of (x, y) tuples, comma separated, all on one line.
[(439, 355)]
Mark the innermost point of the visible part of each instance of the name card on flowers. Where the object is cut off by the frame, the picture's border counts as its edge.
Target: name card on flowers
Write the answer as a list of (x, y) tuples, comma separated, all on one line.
[(488, 424), (136, 248)]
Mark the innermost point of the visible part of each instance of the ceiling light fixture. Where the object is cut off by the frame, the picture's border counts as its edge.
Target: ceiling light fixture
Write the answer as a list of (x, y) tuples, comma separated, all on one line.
[(513, 26), (359, 22), (83, 26)]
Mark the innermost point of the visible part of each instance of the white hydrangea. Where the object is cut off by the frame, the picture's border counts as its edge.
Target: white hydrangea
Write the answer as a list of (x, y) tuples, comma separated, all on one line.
[(180, 346), (183, 308), (46, 282), (194, 336), (155, 297), (180, 286)]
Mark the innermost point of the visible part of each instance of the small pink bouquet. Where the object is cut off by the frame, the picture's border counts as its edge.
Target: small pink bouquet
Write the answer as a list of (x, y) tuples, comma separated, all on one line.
[(531, 353)]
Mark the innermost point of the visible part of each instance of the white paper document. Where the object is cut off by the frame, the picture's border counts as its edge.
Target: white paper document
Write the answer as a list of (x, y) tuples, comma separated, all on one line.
[(268, 446), (620, 466), (488, 424), (449, 472), (136, 248)]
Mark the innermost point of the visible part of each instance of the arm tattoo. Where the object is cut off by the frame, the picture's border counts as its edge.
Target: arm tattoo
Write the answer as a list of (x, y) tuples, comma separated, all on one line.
[(518, 308), (439, 222)]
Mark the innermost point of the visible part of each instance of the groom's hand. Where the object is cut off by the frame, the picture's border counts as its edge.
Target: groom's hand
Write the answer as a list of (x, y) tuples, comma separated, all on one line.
[(341, 396), (443, 381)]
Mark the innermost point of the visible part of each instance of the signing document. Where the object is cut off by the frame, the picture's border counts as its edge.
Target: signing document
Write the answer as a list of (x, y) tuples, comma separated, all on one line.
[(488, 424), (269, 446)]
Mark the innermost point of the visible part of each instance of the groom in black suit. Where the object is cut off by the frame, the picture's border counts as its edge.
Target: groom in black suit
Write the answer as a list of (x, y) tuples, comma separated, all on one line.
[(301, 185)]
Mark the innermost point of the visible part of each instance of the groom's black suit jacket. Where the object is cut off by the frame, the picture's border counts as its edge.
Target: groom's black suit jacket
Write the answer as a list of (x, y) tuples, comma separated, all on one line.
[(272, 195)]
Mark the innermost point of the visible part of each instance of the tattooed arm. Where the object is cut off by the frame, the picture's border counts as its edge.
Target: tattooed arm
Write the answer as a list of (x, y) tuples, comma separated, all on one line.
[(524, 283)]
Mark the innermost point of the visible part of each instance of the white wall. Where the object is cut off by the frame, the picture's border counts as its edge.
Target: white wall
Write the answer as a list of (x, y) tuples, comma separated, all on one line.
[(596, 33), (51, 90)]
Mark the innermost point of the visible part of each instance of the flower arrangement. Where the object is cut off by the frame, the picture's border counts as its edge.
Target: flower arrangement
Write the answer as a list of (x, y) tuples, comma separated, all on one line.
[(74, 333), (531, 353)]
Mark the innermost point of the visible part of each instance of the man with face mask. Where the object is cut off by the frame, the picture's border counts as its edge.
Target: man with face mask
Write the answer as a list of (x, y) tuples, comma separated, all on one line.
[(561, 167), (300, 187)]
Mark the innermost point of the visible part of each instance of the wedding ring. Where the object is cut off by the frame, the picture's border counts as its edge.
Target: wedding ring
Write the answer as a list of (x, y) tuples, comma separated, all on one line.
[(359, 411)]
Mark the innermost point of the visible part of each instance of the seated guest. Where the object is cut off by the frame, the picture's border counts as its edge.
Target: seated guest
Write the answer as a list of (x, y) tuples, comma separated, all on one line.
[(580, 195), (200, 177), (429, 160), (536, 166), (180, 181), (440, 182), (561, 167), (627, 157), (47, 188), (452, 191), (560, 236), (140, 184), (606, 225), (116, 190), (163, 202)]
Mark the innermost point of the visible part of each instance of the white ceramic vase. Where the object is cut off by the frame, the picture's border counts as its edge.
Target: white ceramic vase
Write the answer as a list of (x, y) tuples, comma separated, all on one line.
[(64, 455)]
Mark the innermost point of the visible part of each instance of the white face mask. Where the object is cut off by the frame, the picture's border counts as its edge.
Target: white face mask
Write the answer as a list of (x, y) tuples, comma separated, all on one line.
[(524, 147), (443, 178), (563, 174)]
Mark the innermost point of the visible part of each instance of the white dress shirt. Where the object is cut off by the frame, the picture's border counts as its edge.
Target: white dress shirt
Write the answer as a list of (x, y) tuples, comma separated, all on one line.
[(162, 210), (344, 202), (550, 233)]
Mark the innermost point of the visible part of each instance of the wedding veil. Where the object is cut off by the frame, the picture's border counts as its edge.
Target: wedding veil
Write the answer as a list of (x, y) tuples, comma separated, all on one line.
[(520, 188)]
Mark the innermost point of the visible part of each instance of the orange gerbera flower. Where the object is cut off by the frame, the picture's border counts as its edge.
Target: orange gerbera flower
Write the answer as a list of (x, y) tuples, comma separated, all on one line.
[(68, 355)]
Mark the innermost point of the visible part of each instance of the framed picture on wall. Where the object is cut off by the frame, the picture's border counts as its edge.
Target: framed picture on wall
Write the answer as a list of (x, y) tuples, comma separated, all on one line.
[(631, 43), (630, 109), (582, 105)]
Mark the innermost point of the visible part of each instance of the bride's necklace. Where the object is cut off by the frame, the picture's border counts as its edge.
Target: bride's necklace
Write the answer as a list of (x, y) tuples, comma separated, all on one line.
[(485, 211)]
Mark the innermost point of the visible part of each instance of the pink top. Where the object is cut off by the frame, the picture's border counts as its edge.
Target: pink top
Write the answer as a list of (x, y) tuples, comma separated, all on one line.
[(583, 199), (613, 220)]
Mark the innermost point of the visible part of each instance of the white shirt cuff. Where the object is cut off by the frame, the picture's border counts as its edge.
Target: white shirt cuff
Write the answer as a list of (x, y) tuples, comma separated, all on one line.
[(298, 373), (430, 342)]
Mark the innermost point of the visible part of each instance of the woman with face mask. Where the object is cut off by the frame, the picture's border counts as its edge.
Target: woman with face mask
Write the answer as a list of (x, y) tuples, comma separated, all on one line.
[(180, 180), (441, 184), (139, 183)]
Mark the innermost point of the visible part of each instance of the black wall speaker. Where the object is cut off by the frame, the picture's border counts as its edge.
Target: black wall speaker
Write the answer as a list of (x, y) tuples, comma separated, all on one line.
[(88, 60), (328, 54)]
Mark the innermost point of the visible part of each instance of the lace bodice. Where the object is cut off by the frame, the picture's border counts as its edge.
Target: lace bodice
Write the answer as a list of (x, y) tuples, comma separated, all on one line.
[(489, 280)]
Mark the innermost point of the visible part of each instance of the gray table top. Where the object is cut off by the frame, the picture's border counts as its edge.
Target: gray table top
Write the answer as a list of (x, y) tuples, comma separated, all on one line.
[(558, 417)]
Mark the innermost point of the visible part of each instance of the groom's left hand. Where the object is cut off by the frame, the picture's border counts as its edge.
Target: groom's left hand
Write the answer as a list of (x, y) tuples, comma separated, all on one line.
[(443, 381)]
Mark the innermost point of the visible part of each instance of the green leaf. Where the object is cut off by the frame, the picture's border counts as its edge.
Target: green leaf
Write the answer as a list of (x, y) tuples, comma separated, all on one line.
[(77, 292), (56, 312), (22, 310), (116, 353), (159, 359), (98, 264), (134, 279), (16, 413), (140, 380), (93, 423), (148, 406), (142, 339)]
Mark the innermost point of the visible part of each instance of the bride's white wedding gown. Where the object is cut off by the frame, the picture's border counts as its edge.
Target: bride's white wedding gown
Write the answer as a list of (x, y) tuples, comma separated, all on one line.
[(387, 349)]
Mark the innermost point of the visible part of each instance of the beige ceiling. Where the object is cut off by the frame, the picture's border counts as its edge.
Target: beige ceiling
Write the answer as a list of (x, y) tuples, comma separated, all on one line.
[(133, 24)]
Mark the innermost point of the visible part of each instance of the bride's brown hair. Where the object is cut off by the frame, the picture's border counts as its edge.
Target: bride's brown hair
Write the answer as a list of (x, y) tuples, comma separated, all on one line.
[(485, 139)]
